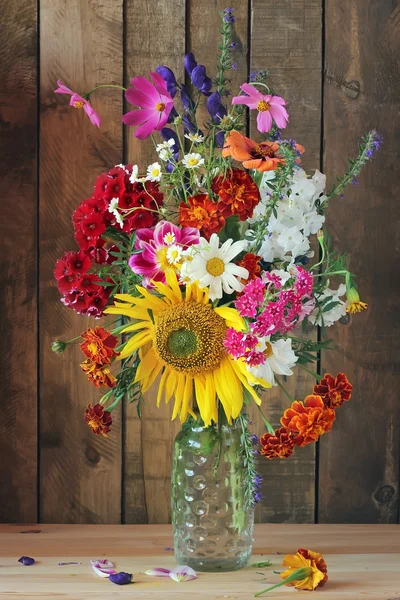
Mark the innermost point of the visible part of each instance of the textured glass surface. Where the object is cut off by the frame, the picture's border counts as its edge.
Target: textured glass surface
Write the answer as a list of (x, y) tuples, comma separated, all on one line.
[(212, 529)]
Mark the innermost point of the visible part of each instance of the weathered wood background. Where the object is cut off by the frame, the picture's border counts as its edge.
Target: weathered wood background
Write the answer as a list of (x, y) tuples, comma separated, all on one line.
[(336, 62)]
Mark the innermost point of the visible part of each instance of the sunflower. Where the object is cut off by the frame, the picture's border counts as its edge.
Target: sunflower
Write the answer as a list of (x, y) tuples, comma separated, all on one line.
[(180, 337)]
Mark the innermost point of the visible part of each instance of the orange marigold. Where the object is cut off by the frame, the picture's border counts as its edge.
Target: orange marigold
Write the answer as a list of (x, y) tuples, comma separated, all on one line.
[(99, 375), (99, 345), (98, 419), (308, 420), (278, 445), (262, 156), (334, 391), (237, 192), (315, 570), (250, 262), (202, 213)]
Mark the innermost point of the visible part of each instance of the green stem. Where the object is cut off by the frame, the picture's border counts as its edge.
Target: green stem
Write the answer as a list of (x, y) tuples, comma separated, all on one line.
[(315, 375), (267, 424), (105, 85), (284, 390), (297, 575), (113, 405)]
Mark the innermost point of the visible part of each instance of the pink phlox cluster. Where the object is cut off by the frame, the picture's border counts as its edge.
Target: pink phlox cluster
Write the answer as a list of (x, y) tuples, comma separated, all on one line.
[(251, 298), (243, 345)]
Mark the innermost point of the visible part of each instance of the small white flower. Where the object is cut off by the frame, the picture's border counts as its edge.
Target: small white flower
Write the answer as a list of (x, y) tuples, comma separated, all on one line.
[(164, 150), (193, 160), (113, 209), (122, 167), (169, 238), (154, 172), (174, 255), (290, 238), (196, 138), (279, 359), (329, 317), (211, 266), (135, 171)]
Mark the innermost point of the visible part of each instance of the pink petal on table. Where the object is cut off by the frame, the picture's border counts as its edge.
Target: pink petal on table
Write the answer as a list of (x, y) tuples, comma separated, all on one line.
[(103, 568), (183, 573), (158, 572)]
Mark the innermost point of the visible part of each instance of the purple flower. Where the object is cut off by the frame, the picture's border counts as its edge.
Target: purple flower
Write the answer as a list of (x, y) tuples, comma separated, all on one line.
[(197, 74), (121, 578), (189, 62), (169, 79), (167, 134), (254, 440), (216, 109), (228, 15), (233, 66), (186, 99), (26, 560), (220, 138)]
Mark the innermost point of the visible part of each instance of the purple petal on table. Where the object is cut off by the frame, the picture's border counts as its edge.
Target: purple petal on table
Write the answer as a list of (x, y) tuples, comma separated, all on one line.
[(103, 568), (183, 573), (158, 572), (121, 578), (168, 549), (26, 560), (102, 563), (64, 564)]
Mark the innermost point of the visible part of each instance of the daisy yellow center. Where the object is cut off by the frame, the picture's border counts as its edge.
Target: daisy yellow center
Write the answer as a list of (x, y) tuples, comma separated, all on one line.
[(160, 106), (268, 350), (79, 104), (189, 337), (215, 266), (174, 254), (263, 106), (193, 162), (155, 172)]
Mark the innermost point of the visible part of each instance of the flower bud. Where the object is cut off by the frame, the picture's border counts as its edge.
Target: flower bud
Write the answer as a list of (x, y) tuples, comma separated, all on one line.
[(58, 346)]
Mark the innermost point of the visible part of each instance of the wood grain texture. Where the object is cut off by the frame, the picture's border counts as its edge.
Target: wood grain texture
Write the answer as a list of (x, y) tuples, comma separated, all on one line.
[(18, 340), (81, 43), (155, 34), (359, 467), (362, 562), (286, 39)]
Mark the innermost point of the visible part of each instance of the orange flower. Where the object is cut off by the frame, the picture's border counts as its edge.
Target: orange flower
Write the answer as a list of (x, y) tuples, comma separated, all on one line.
[(238, 194), (201, 213), (99, 345), (308, 420), (262, 156), (334, 391), (98, 419), (314, 569), (99, 375), (250, 262), (278, 445)]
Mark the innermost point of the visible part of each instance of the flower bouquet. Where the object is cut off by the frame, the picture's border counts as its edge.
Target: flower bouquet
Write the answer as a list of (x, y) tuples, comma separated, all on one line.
[(211, 262)]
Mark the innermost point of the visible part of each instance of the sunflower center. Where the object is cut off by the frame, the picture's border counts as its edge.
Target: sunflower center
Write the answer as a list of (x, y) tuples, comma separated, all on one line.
[(263, 106), (215, 266), (79, 104), (268, 350), (189, 337), (160, 106)]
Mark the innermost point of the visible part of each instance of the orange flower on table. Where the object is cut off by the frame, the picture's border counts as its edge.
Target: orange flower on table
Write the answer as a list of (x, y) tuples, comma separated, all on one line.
[(314, 569), (237, 194), (334, 391), (262, 156), (277, 445), (202, 213), (99, 345), (98, 419), (308, 420), (99, 375), (250, 262)]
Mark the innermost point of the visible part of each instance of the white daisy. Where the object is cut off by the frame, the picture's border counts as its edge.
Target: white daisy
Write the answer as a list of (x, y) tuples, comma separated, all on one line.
[(211, 266), (169, 238), (174, 255), (134, 175), (196, 138), (113, 209), (192, 160), (164, 150), (279, 359), (154, 172)]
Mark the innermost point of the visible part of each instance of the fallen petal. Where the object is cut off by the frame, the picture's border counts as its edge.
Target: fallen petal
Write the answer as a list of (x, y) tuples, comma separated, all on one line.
[(158, 572), (103, 568), (121, 578), (102, 563), (26, 560), (183, 573)]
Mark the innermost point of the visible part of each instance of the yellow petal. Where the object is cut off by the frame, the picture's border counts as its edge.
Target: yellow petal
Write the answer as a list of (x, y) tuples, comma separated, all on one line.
[(137, 326), (173, 283), (128, 312), (146, 365), (153, 302), (134, 343), (125, 297), (147, 383), (165, 290), (231, 317), (161, 387), (187, 396), (170, 385)]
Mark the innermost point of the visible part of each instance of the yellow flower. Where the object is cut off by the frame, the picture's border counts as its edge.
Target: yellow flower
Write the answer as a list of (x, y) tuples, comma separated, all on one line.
[(354, 304), (180, 338), (312, 565)]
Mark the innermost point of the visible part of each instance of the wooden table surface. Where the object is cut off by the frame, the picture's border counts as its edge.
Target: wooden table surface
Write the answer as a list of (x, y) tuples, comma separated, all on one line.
[(363, 562)]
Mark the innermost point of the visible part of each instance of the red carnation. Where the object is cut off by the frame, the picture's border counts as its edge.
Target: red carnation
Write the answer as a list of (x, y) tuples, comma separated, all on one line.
[(93, 225)]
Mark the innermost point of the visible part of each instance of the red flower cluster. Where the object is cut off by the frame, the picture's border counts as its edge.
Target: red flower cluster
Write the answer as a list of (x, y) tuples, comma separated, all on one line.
[(98, 419), (80, 289), (305, 422), (201, 212), (237, 194)]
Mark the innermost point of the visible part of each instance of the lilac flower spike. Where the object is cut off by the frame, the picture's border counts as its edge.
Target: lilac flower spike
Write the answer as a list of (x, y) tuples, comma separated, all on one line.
[(26, 561), (121, 578)]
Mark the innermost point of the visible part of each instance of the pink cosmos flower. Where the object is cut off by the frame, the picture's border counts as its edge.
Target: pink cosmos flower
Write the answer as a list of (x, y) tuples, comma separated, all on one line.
[(154, 101), (269, 107), (161, 246), (78, 102)]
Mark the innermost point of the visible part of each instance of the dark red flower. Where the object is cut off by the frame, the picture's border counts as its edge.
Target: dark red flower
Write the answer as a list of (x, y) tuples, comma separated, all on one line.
[(277, 445), (98, 419), (237, 193), (334, 391), (93, 225)]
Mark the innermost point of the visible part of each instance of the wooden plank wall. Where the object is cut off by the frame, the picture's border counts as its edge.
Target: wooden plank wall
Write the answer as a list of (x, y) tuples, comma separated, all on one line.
[(336, 62)]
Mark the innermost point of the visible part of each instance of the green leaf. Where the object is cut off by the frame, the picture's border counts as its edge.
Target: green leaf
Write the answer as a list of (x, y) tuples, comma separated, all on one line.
[(330, 306)]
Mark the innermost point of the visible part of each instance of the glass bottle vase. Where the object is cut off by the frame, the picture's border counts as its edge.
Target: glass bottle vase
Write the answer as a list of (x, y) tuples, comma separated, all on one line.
[(213, 530)]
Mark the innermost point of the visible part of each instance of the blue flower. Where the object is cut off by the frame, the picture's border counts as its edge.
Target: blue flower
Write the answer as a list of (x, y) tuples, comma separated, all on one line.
[(197, 74), (169, 79), (220, 138), (121, 578), (216, 109)]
